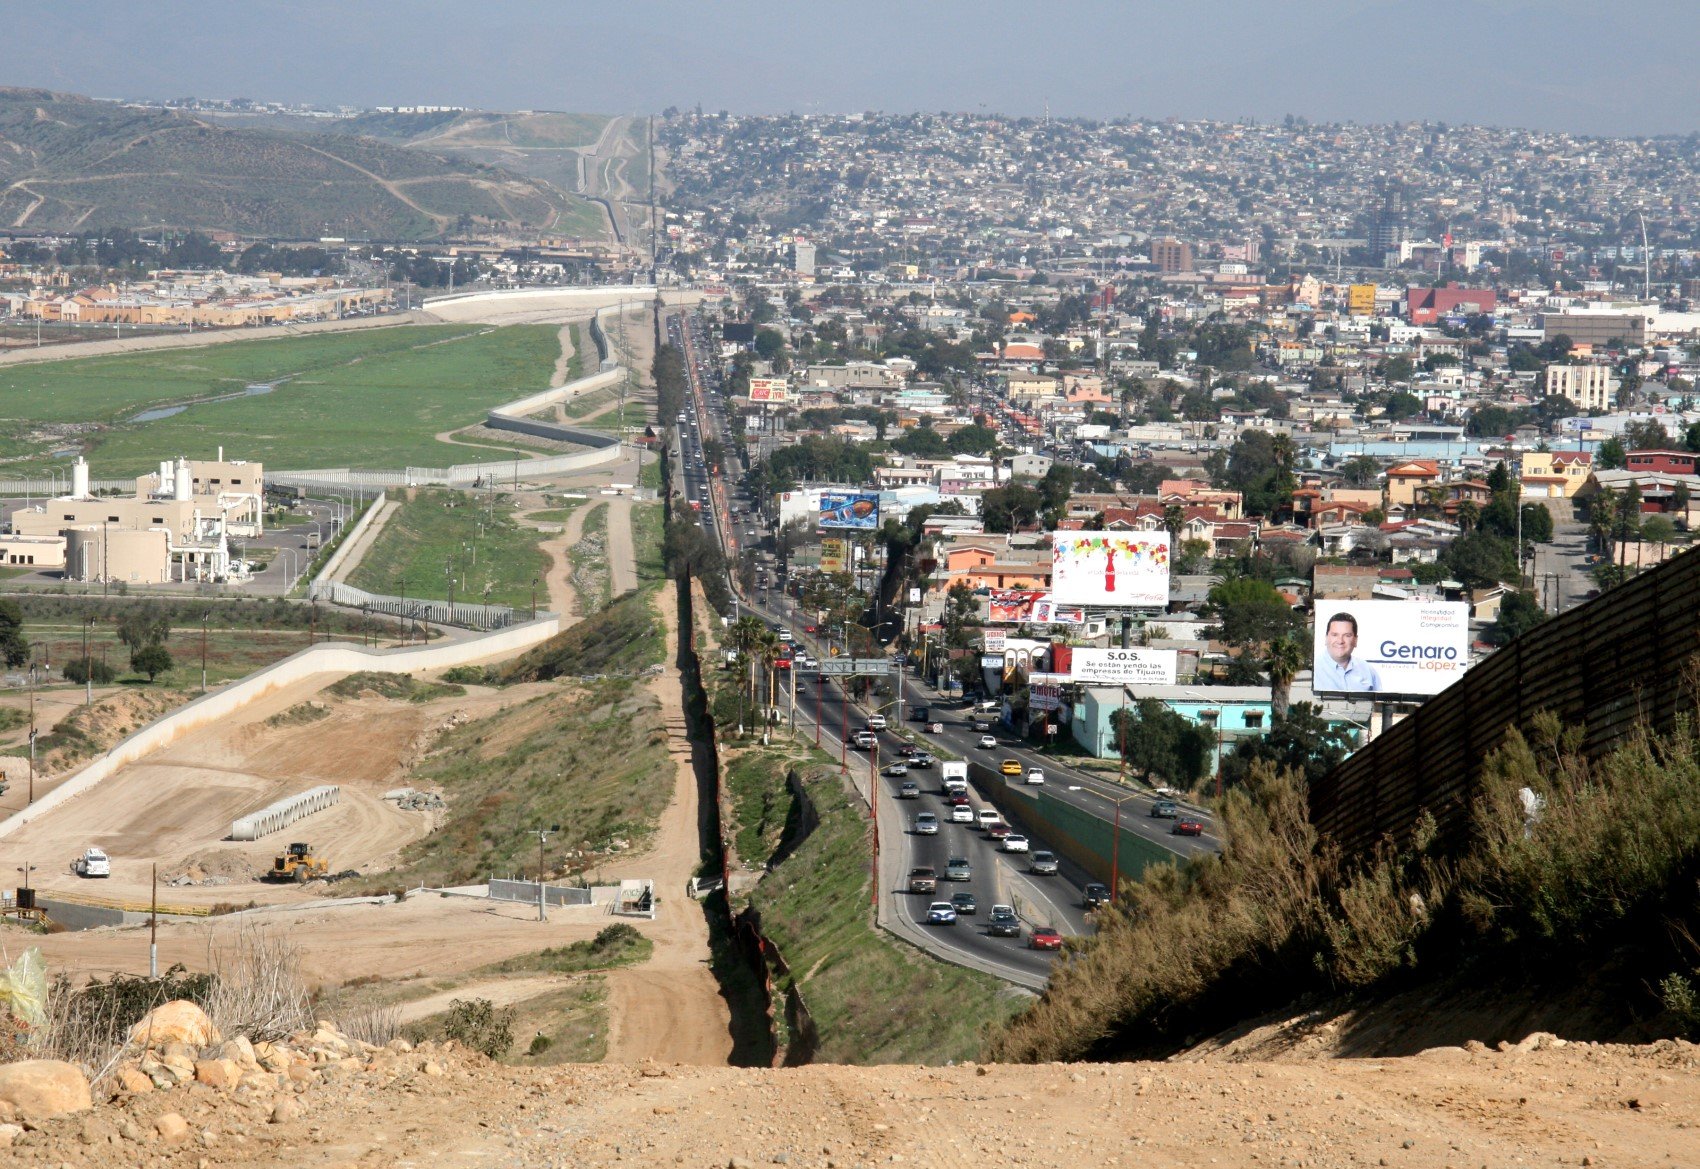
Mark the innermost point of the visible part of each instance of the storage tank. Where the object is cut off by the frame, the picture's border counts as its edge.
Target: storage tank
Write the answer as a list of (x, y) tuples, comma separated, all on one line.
[(180, 481), (80, 479)]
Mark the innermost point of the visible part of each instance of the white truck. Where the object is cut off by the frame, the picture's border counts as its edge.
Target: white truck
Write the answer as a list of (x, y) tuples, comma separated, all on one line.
[(955, 773), (93, 863)]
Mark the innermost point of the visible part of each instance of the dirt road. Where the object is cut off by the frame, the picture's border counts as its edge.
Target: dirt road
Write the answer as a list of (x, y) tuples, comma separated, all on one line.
[(669, 1008)]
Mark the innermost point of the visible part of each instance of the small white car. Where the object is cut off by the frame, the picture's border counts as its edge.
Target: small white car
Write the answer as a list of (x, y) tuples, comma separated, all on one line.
[(961, 814), (1014, 842), (926, 824), (987, 817), (93, 863), (1036, 775), (988, 741)]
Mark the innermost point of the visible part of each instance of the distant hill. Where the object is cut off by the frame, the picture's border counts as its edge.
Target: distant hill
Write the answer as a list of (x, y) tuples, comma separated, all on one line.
[(69, 163)]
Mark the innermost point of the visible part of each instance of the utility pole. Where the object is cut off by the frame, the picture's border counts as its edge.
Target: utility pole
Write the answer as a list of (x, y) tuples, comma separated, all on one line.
[(204, 617), (153, 927)]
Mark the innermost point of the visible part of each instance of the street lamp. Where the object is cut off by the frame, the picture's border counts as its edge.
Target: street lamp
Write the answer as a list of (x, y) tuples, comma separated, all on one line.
[(1116, 847), (543, 835), (204, 617)]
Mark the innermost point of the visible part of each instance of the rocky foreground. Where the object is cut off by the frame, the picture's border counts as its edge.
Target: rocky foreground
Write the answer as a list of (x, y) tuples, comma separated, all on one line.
[(185, 1096)]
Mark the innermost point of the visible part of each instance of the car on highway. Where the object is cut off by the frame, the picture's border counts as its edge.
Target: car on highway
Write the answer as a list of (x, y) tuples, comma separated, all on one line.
[(957, 868), (876, 722), (1186, 828), (941, 913), (964, 903), (987, 817), (908, 790), (999, 831), (923, 879), (810, 629), (922, 760), (1002, 922), (955, 796), (1094, 895), (926, 824), (982, 724), (1010, 767), (863, 740), (1042, 863), (988, 742), (896, 770), (1165, 810), (961, 814), (908, 750), (1036, 775), (1044, 937), (1014, 842), (919, 714)]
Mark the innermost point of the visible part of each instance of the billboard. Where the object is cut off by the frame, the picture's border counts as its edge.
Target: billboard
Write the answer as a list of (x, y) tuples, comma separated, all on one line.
[(1125, 667), (993, 640), (834, 554), (1390, 647), (1110, 568), (1047, 612), (1360, 300), (769, 389), (849, 509), (1011, 604)]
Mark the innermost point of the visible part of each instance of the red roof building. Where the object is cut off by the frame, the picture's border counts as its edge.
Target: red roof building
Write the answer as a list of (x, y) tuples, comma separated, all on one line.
[(1425, 306)]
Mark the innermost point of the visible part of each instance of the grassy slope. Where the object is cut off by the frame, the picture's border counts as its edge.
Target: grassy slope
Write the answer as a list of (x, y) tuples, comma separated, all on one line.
[(438, 526), (624, 638), (543, 762), (373, 398), (874, 1000)]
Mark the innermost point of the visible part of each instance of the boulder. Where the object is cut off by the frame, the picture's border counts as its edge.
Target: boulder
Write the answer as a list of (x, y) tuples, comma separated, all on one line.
[(179, 1021), (41, 1088), (10, 1133), (223, 1074), (171, 1126), (130, 1078)]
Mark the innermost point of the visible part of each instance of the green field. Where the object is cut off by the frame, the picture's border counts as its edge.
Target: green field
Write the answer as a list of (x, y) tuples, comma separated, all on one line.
[(374, 398), (441, 535)]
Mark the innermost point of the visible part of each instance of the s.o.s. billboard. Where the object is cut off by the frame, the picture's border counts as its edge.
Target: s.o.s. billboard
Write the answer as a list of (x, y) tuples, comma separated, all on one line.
[(845, 509), (1390, 647), (1110, 568)]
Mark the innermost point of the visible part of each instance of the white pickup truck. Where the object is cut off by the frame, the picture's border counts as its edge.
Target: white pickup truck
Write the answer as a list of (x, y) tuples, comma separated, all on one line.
[(93, 863)]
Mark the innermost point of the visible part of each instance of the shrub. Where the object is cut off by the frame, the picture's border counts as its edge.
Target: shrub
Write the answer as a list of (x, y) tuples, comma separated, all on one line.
[(467, 675), (152, 660), (478, 1024), (89, 670)]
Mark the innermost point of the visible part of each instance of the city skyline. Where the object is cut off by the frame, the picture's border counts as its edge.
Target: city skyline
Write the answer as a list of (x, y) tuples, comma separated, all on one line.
[(1493, 63)]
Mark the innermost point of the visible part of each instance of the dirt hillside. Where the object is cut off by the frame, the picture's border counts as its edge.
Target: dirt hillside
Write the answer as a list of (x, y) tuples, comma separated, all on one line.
[(1575, 1105)]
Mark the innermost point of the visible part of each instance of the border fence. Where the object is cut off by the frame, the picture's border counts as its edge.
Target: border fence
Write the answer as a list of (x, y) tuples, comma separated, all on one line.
[(1606, 666)]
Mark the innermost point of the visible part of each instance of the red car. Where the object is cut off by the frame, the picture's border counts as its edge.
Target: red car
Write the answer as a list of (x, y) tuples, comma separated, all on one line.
[(809, 629), (1044, 938), (956, 799), (1187, 828), (998, 831)]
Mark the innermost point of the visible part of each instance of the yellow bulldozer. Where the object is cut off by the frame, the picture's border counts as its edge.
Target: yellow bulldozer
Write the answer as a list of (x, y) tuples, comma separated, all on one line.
[(298, 864)]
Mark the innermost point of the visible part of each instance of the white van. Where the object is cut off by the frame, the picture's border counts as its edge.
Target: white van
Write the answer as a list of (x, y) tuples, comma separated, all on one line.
[(876, 722)]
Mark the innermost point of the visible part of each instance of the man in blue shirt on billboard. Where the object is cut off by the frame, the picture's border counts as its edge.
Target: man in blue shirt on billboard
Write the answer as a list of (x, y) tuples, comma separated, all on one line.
[(1340, 670)]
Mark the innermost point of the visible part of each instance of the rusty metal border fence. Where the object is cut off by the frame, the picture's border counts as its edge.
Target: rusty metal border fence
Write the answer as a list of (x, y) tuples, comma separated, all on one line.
[(1606, 666)]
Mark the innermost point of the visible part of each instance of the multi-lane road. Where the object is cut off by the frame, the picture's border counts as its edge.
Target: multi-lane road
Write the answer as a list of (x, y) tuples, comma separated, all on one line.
[(822, 710)]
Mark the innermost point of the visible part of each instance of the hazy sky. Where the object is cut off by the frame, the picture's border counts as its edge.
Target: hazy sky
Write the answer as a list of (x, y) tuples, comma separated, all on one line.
[(1585, 65)]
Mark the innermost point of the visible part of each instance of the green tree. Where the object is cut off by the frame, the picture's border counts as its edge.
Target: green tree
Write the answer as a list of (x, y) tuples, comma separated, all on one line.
[(1361, 471), (138, 628), (1010, 508), (1286, 657), (1611, 455), (1647, 434), (1658, 530), (152, 660), (1303, 742), (1251, 612), (1537, 523), (961, 615), (80, 670), (14, 648), (1480, 558), (973, 440), (921, 442), (1518, 613), (1160, 743)]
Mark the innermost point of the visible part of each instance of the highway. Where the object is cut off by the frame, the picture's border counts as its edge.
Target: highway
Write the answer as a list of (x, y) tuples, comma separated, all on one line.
[(822, 711)]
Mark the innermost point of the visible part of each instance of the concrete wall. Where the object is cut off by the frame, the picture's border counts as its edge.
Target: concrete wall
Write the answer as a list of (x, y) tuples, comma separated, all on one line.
[(330, 658), (350, 539), (1070, 831)]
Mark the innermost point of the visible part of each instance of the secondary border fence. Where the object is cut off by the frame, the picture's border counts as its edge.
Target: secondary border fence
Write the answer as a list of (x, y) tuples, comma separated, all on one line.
[(469, 616), (1620, 661)]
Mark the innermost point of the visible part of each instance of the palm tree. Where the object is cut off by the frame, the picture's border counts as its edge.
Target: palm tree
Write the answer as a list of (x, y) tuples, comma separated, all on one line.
[(1469, 514), (1286, 658)]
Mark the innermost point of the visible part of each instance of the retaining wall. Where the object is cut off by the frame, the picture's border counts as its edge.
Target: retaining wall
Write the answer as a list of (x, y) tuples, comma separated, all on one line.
[(351, 537), (324, 658), (1073, 832)]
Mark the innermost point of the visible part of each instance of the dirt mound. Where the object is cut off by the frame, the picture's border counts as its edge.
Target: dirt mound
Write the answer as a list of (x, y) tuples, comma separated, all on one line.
[(89, 730), (212, 866)]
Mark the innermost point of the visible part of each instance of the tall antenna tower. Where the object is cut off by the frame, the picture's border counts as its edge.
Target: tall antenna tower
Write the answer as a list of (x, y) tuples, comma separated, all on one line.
[(1646, 261)]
